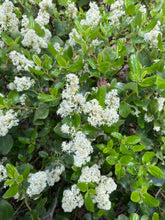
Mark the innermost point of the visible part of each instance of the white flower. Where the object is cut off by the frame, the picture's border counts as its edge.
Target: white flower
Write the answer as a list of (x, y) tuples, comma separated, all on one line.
[(20, 61), (148, 118), (116, 12), (7, 121), (53, 176), (8, 19), (71, 199), (106, 186), (22, 83), (95, 43), (3, 173), (152, 36), (45, 4), (160, 103), (156, 128), (72, 41), (81, 147), (22, 99), (37, 183), (90, 174), (57, 47), (71, 10), (92, 15), (143, 9)]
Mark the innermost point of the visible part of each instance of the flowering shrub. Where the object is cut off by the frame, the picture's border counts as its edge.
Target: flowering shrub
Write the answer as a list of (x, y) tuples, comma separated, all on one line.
[(82, 115)]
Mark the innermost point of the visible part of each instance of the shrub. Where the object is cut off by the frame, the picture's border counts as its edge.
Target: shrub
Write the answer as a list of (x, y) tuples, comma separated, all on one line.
[(82, 116)]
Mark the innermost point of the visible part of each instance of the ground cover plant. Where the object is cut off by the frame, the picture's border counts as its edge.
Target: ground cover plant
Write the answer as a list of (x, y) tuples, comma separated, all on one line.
[(82, 115)]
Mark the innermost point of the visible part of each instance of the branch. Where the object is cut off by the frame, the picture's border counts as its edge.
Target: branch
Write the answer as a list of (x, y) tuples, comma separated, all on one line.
[(50, 215)]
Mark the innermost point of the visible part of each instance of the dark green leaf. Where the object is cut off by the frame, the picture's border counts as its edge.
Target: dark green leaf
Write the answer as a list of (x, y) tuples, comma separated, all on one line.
[(88, 203), (12, 191), (124, 109), (6, 210), (6, 143)]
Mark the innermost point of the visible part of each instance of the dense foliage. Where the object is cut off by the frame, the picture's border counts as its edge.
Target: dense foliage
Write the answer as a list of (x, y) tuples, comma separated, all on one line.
[(82, 114)]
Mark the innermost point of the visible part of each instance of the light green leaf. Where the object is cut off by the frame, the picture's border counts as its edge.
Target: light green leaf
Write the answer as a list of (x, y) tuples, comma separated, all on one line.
[(150, 200), (82, 186), (88, 203), (155, 171), (12, 191), (11, 170), (135, 197), (124, 109)]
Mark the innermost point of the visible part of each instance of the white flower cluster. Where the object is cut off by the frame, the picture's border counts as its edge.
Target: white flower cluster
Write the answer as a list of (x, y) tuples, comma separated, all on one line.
[(71, 11), (80, 146), (71, 199), (161, 101), (92, 15), (67, 129), (22, 99), (37, 183), (71, 41), (152, 36), (95, 43), (71, 100), (106, 185), (53, 176), (116, 12), (31, 39), (20, 61), (143, 9), (103, 190), (33, 2), (99, 116), (7, 121), (90, 174), (148, 118), (8, 19), (3, 173), (57, 47), (2, 44), (39, 180), (21, 83)]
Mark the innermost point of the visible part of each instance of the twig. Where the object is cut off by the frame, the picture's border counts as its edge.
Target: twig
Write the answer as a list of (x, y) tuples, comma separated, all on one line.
[(50, 215), (158, 192)]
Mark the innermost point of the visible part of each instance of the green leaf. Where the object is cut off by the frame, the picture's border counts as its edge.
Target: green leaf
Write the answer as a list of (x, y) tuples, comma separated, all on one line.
[(82, 186), (132, 86), (116, 135), (147, 157), (37, 60), (19, 179), (122, 217), (88, 203), (52, 49), (101, 95), (11, 170), (155, 216), (150, 200), (26, 171), (135, 68), (160, 82), (41, 112), (13, 97), (149, 81), (155, 171), (104, 67), (92, 191), (61, 61), (134, 139), (112, 160), (150, 25), (155, 67), (160, 45), (6, 210), (47, 62), (135, 196), (43, 154), (138, 148), (8, 40), (124, 109), (76, 66), (76, 120), (6, 143), (134, 216), (45, 98), (12, 191), (126, 159)]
